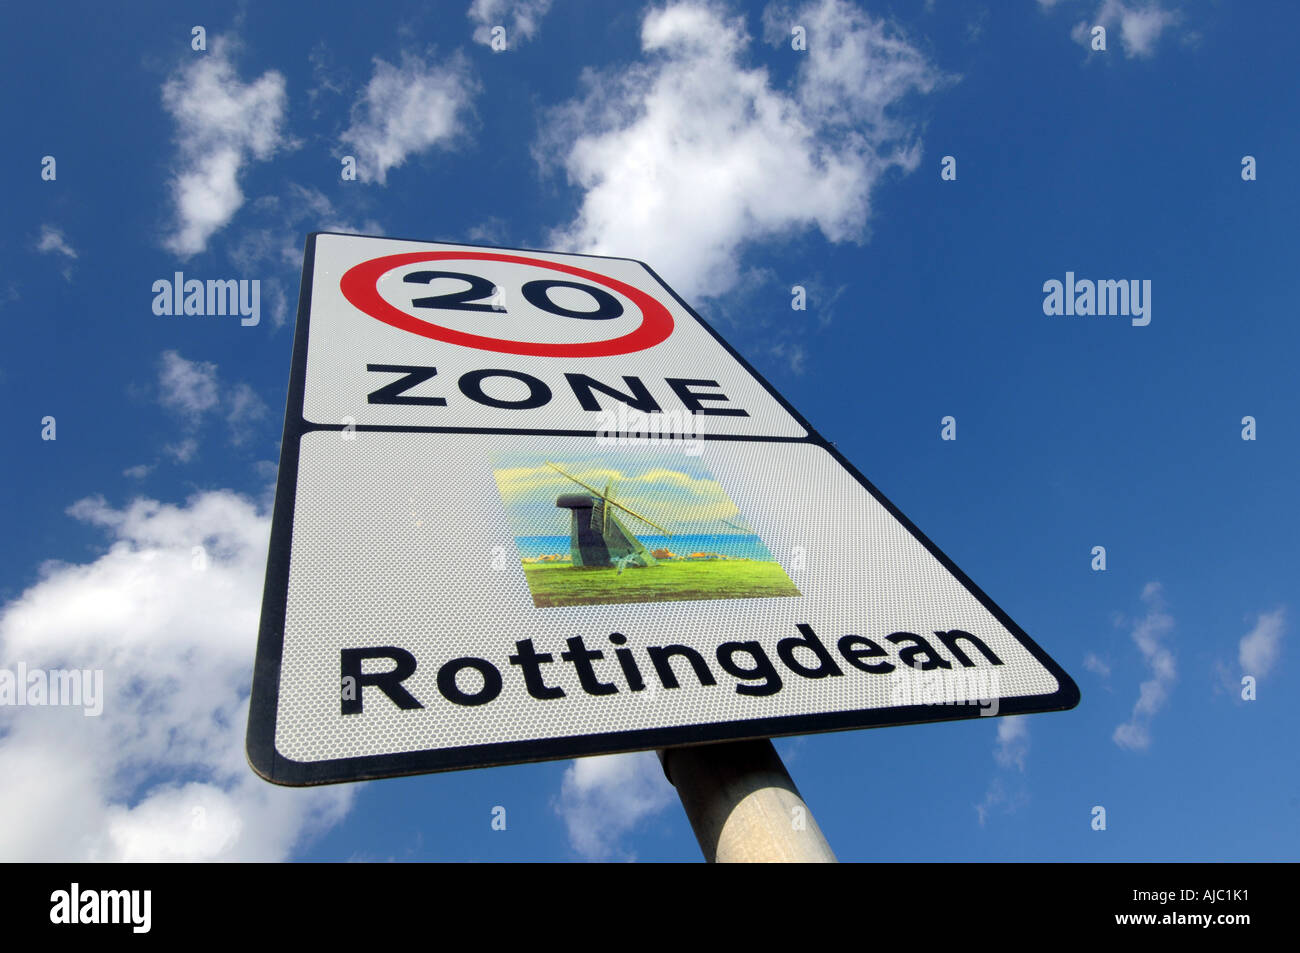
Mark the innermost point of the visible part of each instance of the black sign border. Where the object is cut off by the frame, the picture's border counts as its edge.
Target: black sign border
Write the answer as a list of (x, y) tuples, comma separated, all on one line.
[(264, 701)]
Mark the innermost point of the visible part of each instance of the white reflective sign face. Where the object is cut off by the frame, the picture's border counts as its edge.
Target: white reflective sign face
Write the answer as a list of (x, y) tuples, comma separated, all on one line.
[(482, 576)]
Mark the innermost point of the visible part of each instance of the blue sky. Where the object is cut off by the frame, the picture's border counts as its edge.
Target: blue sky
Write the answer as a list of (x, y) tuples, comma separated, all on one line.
[(694, 137)]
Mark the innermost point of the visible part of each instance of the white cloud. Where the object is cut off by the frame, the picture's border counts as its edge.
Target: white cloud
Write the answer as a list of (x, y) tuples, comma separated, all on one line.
[(139, 471), (406, 110), (53, 241), (257, 249), (1010, 751), (689, 155), (1013, 741), (326, 78), (999, 797), (1148, 635), (299, 211), (246, 408), (187, 387), (492, 231), (1095, 664), (1140, 26), (1140, 23), (222, 123), (794, 355), (182, 451), (1261, 647), (161, 774), (273, 292), (192, 389), (995, 795), (524, 18), (602, 798)]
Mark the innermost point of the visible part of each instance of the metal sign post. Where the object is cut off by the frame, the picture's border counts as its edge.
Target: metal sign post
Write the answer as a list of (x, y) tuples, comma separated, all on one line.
[(743, 805)]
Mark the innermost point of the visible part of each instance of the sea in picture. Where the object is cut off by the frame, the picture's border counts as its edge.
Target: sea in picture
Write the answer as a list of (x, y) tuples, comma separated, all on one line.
[(729, 545)]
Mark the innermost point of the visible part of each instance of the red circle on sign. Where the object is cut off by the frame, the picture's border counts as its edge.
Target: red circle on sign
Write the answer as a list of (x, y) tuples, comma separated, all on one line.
[(360, 285)]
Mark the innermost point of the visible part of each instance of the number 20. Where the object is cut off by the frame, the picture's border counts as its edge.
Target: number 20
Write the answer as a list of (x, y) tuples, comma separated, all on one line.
[(536, 293)]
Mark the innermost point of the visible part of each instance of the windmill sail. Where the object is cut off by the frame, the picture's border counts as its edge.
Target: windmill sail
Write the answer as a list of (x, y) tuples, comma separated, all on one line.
[(597, 537)]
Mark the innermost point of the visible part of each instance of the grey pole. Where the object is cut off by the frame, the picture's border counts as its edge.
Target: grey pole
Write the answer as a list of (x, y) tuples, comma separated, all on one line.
[(743, 805)]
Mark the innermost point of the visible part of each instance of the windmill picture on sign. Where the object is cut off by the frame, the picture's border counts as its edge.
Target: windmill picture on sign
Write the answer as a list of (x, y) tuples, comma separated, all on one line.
[(624, 526)]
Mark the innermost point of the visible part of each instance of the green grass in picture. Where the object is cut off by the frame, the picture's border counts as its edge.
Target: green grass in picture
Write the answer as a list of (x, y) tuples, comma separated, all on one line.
[(564, 585)]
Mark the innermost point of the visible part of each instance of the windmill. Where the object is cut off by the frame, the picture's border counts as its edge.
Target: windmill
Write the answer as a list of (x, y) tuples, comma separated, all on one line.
[(596, 536)]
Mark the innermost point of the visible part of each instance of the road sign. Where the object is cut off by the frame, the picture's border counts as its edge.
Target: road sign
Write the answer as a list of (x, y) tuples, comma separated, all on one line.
[(531, 506)]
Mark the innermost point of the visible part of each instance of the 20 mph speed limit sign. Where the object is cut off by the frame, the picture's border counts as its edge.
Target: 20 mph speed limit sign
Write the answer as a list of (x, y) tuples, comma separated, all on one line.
[(531, 506)]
